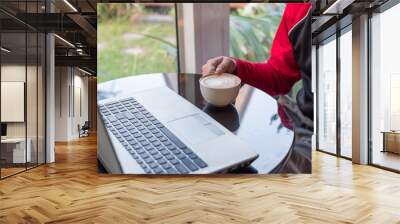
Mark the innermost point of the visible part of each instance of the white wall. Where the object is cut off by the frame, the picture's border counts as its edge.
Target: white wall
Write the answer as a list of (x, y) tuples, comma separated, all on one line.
[(33, 126), (80, 100), (70, 83), (12, 73), (62, 81)]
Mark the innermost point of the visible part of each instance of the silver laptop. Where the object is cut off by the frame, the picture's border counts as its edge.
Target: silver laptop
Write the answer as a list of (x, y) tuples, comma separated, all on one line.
[(157, 131)]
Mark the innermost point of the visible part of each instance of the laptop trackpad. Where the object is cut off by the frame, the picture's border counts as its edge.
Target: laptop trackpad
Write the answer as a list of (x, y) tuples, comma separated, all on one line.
[(194, 129)]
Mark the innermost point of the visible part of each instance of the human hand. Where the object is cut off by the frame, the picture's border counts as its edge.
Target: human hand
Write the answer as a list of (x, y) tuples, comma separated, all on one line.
[(219, 65)]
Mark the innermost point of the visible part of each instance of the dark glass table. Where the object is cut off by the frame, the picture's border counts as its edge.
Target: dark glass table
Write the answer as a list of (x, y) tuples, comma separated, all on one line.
[(253, 117)]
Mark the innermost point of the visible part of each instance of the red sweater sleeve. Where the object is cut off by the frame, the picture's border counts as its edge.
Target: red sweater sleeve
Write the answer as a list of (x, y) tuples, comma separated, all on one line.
[(277, 75)]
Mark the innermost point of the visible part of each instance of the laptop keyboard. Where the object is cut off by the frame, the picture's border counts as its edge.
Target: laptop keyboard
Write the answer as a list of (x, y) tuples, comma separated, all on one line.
[(155, 148)]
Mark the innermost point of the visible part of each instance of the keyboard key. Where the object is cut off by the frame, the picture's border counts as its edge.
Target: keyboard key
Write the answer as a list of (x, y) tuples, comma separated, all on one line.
[(171, 171), (164, 152), (153, 152), (143, 165), (174, 161), (118, 126), (148, 160), (193, 156), (164, 140), (129, 116), (132, 129), (139, 116), (166, 166), (162, 161), (181, 168), (171, 147), (157, 156), (187, 151), (111, 119), (169, 157), (146, 156), (120, 116), (158, 170), (200, 163), (177, 152), (137, 146), (181, 156), (147, 170), (153, 164), (189, 164)]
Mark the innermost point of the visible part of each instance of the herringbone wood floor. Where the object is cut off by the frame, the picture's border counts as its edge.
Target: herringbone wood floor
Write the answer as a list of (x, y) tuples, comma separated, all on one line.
[(70, 191)]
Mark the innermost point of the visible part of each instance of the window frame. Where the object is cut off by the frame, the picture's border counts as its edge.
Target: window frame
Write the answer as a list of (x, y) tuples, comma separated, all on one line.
[(378, 10), (333, 37), (27, 29)]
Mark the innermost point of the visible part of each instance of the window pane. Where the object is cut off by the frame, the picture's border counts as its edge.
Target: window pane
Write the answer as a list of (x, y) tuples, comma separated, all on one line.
[(346, 94), (13, 84), (385, 84), (135, 39), (252, 29), (327, 96)]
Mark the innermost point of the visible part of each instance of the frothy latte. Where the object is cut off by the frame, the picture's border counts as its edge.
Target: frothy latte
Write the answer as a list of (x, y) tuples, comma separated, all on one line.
[(221, 81)]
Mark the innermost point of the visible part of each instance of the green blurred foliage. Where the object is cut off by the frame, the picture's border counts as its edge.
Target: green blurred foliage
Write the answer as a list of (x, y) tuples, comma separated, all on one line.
[(252, 30), (156, 40)]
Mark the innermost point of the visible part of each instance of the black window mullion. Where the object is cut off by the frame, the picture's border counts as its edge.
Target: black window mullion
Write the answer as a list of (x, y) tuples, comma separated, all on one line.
[(338, 94), (317, 96), (26, 87), (37, 91), (369, 100)]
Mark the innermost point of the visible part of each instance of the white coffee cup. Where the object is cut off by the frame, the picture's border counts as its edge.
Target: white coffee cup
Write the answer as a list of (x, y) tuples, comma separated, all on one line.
[(220, 90)]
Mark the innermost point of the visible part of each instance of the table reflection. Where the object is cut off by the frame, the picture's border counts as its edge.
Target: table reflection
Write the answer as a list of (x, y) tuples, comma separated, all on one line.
[(227, 116)]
